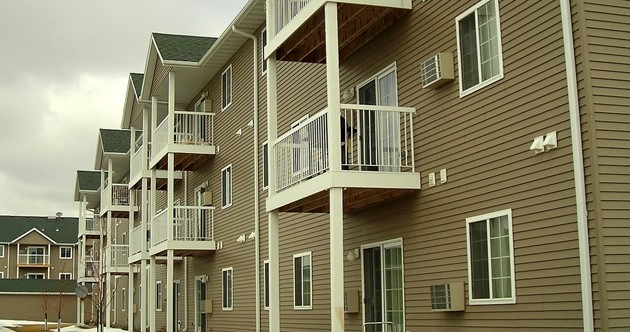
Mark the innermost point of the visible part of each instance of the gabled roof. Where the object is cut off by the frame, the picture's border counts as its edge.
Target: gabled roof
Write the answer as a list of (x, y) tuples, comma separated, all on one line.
[(63, 230), (182, 48), (51, 286), (115, 140), (17, 239), (136, 80), (88, 180)]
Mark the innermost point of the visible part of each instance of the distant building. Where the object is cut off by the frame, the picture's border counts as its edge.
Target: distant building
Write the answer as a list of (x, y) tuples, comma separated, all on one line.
[(38, 267)]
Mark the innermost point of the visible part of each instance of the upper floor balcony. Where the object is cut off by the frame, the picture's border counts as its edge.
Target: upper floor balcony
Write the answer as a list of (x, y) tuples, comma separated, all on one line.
[(300, 32), (190, 138), (139, 240), (116, 258), (90, 226), (189, 231), (34, 259), (88, 270), (115, 198), (377, 160)]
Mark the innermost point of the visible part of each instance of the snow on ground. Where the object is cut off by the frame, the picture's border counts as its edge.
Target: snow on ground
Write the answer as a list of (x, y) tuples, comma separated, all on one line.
[(4, 324)]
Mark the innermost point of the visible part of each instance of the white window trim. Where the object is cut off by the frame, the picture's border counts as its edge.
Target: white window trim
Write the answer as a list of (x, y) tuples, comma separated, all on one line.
[(204, 280), (262, 54), (229, 68), (266, 292), (61, 250), (28, 275), (310, 306), (511, 300), (223, 205), (65, 273), (481, 85), (265, 156), (1, 274), (223, 306), (2, 251), (396, 241), (158, 299)]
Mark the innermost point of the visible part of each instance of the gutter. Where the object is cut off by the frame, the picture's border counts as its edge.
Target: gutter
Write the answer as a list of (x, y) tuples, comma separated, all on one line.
[(578, 167), (256, 189)]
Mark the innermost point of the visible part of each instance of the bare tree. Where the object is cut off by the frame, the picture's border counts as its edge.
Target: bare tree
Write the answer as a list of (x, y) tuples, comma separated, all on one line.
[(45, 307)]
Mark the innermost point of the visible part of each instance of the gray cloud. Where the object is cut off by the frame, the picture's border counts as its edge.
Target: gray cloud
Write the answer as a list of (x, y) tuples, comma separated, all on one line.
[(64, 66)]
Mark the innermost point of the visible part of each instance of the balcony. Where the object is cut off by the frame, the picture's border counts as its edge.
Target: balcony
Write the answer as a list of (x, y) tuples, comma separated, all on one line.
[(139, 168), (137, 239), (33, 260), (191, 140), (115, 198), (116, 258), (88, 270), (299, 25), (377, 160), (90, 226), (191, 231)]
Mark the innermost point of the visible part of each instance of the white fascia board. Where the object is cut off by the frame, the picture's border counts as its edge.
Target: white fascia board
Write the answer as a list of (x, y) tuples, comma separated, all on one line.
[(149, 69), (130, 100), (29, 232)]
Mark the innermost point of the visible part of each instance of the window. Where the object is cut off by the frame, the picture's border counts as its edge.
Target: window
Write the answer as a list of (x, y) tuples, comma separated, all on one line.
[(266, 280), (1, 274), (123, 299), (383, 285), (490, 258), (36, 256), (302, 277), (226, 187), (65, 252), (479, 45), (227, 289), (265, 165), (1, 250), (35, 276), (65, 276), (158, 296), (263, 42), (226, 88)]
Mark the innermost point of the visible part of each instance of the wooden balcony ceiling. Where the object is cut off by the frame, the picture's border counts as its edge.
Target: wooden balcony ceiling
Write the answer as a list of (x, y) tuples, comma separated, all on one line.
[(353, 199), (184, 161), (358, 24)]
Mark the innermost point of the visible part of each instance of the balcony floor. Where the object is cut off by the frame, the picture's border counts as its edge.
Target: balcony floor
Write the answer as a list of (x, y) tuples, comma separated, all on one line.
[(358, 24), (183, 161), (183, 248), (361, 190)]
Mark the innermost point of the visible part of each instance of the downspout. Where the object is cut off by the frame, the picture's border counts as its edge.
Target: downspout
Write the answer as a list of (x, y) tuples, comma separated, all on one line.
[(185, 262), (256, 194), (578, 166)]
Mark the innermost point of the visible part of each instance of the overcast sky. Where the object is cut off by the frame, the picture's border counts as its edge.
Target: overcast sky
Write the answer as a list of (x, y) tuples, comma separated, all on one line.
[(64, 66)]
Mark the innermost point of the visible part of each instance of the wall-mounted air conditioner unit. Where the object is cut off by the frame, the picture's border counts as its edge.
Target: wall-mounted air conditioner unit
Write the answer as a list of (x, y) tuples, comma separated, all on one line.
[(351, 301), (447, 297), (207, 198), (437, 70)]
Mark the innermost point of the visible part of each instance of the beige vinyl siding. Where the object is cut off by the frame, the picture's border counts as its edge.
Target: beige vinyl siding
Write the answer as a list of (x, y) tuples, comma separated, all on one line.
[(482, 140), (605, 72)]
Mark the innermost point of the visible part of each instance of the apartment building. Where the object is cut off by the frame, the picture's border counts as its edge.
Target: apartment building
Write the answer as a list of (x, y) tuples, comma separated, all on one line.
[(383, 166), (38, 267)]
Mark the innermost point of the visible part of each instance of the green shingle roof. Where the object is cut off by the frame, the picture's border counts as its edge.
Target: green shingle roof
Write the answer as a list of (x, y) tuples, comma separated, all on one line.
[(13, 227), (137, 79), (182, 48), (89, 180), (37, 286), (115, 140)]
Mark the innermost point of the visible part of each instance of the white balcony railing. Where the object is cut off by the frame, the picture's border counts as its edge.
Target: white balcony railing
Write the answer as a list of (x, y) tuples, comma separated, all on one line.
[(33, 259), (137, 165), (115, 194), (117, 255), (191, 128), (136, 240), (373, 138), (90, 268), (286, 10), (93, 224), (190, 223)]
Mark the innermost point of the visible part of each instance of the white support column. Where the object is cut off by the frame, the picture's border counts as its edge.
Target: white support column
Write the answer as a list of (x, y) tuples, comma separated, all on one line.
[(274, 273), (151, 290), (171, 106), (332, 78), (143, 297), (108, 300), (146, 131), (154, 112), (336, 260), (169, 291), (79, 320), (130, 291)]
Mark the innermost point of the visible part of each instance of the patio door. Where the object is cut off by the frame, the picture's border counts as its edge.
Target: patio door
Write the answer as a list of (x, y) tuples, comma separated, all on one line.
[(36, 255), (383, 303), (176, 306), (379, 130), (200, 299)]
